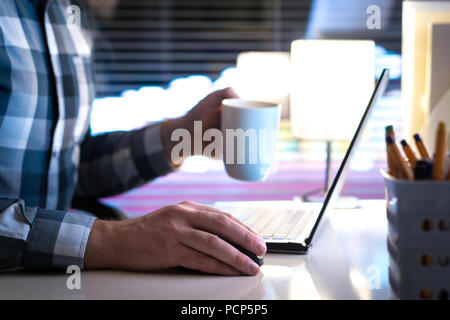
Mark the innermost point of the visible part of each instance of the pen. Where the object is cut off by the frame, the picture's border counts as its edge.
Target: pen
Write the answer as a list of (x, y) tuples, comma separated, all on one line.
[(421, 147), (439, 155), (409, 153), (398, 158)]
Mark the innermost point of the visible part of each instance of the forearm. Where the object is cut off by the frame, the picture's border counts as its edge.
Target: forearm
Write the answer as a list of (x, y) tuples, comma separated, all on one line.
[(119, 161)]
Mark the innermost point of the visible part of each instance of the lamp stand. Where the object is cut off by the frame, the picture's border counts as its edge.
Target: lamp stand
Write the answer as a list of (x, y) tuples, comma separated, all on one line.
[(348, 202), (306, 196)]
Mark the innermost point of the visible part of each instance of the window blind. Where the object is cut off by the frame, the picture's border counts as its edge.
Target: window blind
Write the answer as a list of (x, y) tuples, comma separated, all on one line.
[(151, 42)]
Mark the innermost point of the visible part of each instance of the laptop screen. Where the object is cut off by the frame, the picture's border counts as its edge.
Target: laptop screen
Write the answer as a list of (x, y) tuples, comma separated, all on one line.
[(339, 179)]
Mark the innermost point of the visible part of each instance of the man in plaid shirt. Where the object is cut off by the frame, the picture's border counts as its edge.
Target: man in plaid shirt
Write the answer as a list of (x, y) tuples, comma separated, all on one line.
[(47, 157)]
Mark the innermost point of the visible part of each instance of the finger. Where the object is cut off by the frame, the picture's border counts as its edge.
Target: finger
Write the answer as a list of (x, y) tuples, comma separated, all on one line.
[(218, 211), (228, 93), (229, 215), (216, 247), (228, 229), (199, 206), (215, 98), (196, 260)]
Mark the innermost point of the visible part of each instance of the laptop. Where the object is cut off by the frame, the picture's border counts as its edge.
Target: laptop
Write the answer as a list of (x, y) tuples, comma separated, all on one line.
[(290, 226)]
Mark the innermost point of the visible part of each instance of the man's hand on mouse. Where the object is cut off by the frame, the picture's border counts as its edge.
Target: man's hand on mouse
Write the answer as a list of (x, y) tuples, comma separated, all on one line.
[(184, 234)]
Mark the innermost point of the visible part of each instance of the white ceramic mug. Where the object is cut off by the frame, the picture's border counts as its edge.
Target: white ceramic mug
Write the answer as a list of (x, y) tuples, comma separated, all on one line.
[(250, 134)]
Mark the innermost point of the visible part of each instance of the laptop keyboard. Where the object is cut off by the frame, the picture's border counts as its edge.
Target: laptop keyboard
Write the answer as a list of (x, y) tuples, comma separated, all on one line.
[(273, 224)]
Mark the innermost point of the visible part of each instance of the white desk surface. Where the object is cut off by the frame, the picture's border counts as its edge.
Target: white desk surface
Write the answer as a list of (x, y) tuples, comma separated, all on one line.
[(348, 260)]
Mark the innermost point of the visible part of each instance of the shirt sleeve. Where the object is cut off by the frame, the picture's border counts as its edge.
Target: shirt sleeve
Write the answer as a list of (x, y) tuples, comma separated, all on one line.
[(119, 161), (37, 239)]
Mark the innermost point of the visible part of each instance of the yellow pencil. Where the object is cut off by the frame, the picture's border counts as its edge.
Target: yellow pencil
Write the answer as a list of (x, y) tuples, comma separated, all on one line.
[(391, 164), (421, 147), (409, 153), (439, 155), (390, 130), (392, 168), (398, 158)]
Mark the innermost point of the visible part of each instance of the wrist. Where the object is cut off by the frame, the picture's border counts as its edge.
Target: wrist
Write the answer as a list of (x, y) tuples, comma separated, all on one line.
[(100, 249), (167, 128)]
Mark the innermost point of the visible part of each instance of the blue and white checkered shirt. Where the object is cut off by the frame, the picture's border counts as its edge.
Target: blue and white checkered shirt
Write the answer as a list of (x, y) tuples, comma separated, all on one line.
[(46, 152)]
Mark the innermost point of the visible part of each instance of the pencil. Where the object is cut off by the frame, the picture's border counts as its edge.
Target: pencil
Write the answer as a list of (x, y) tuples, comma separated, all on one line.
[(391, 165), (398, 158), (390, 130), (439, 155), (421, 147), (392, 170), (409, 153)]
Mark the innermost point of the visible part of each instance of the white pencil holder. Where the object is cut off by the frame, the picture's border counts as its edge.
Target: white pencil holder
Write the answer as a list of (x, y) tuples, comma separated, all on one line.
[(418, 239)]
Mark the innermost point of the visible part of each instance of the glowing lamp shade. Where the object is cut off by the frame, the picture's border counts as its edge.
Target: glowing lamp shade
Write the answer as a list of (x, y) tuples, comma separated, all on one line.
[(263, 76), (331, 83)]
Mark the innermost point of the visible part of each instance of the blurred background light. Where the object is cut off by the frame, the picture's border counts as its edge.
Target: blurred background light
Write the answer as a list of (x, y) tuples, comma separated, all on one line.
[(264, 76), (136, 108)]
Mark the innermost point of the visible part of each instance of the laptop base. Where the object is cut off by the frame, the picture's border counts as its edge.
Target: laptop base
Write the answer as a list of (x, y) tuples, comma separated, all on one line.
[(286, 247)]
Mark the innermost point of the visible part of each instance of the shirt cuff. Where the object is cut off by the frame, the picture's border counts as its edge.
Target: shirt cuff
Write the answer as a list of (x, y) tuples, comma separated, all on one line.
[(148, 153), (57, 239)]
